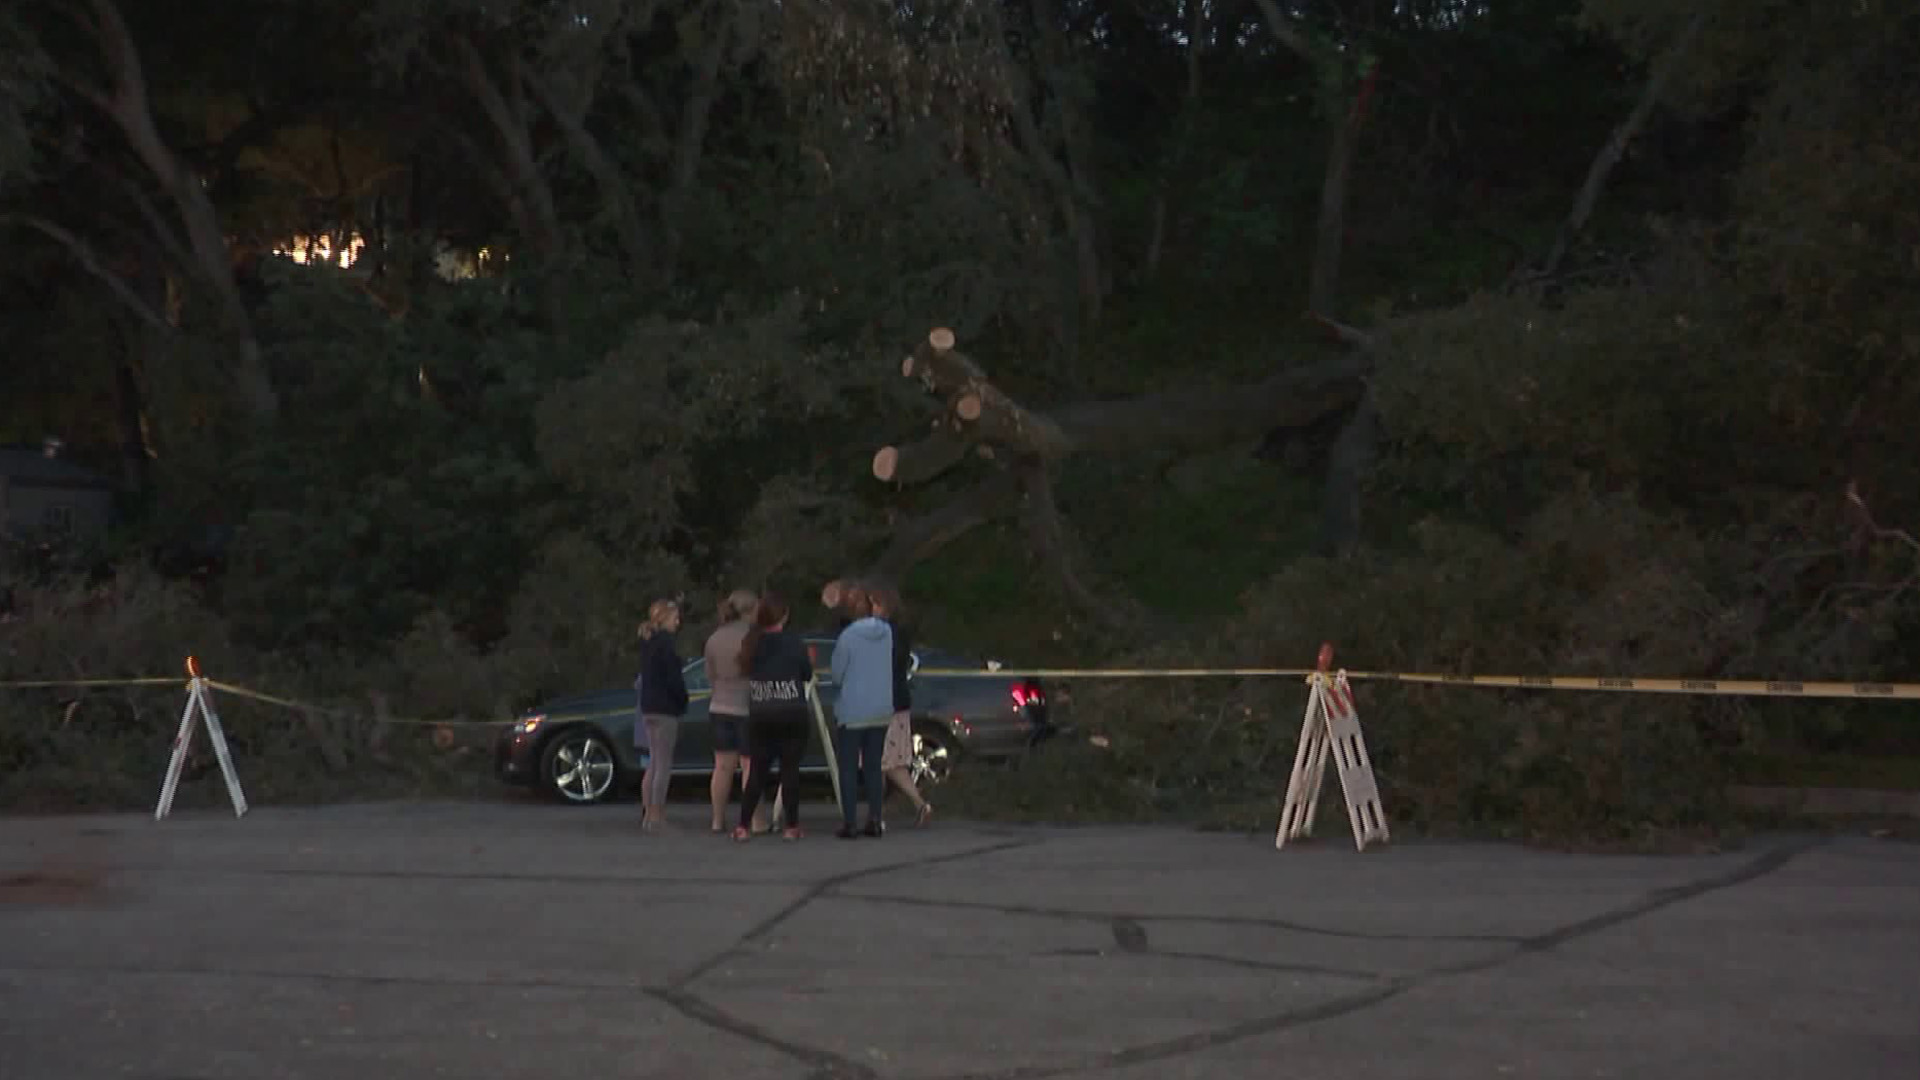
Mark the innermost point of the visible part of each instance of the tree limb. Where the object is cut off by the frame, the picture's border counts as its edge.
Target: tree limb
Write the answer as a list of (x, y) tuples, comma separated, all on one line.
[(90, 261), (1051, 543), (613, 186), (128, 106), (919, 462), (1033, 441), (1615, 147), (698, 110), (919, 539), (541, 218), (986, 411)]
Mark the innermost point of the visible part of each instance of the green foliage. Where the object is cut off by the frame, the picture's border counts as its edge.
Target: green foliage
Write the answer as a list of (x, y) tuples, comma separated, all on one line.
[(474, 487), (1594, 585)]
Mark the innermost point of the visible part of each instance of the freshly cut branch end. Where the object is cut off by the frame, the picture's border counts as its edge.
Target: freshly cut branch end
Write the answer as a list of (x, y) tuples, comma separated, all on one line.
[(968, 407), (886, 463), (941, 339)]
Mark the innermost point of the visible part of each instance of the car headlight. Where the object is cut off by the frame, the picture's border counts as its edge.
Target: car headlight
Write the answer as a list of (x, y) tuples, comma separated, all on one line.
[(528, 724)]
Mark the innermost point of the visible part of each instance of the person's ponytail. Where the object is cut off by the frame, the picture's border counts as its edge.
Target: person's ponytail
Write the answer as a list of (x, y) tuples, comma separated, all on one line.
[(770, 613)]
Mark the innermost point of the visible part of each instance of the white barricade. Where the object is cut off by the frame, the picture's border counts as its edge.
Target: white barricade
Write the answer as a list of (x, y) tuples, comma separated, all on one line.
[(1332, 727), (199, 707)]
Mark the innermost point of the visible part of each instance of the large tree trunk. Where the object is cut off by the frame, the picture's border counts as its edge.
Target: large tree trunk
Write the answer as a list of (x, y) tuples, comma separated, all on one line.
[(126, 103), (537, 215), (1353, 449), (614, 189), (1614, 149), (1175, 160)]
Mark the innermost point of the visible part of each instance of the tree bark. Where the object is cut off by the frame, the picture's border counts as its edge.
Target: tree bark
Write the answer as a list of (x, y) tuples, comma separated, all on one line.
[(1053, 544), (614, 189), (917, 540), (92, 263), (1330, 238), (1615, 148), (126, 104), (1176, 159), (540, 218)]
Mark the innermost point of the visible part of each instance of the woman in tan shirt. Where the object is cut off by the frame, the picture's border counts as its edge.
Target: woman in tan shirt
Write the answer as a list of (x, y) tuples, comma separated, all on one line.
[(727, 709)]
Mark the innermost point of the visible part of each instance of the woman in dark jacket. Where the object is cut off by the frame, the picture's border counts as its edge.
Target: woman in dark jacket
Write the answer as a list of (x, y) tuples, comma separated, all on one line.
[(663, 701)]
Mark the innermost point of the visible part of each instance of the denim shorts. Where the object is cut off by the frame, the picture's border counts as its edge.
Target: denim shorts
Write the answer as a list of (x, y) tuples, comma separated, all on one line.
[(729, 733)]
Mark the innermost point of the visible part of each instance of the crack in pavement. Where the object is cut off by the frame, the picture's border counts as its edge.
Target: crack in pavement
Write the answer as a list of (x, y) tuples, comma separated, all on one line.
[(1229, 961), (824, 886), (827, 1065), (482, 982), (1343, 1006), (158, 869), (1085, 915)]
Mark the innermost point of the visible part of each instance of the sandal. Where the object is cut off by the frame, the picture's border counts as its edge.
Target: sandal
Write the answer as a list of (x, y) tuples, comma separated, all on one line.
[(923, 815), (741, 836), (794, 833)]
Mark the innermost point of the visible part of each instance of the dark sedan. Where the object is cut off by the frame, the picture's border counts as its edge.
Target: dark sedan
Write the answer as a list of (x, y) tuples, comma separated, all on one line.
[(580, 749)]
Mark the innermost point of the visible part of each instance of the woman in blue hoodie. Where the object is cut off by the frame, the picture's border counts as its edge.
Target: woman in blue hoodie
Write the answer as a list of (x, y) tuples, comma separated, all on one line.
[(863, 672)]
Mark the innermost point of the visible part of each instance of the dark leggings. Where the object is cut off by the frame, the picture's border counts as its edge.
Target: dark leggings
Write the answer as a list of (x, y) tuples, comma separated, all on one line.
[(767, 742)]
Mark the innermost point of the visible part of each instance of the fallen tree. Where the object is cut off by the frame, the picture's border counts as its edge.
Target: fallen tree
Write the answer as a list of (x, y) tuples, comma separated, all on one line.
[(1019, 448)]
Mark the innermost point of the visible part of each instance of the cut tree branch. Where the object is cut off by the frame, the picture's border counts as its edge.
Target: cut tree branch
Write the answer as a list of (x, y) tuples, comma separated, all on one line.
[(1007, 433), (919, 462)]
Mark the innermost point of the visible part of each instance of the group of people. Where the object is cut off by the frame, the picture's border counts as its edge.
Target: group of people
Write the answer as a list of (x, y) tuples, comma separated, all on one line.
[(761, 718)]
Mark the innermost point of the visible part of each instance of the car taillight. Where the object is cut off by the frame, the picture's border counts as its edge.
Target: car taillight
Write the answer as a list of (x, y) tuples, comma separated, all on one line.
[(1025, 694)]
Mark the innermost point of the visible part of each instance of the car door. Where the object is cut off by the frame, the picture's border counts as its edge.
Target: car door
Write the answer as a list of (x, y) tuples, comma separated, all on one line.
[(693, 749)]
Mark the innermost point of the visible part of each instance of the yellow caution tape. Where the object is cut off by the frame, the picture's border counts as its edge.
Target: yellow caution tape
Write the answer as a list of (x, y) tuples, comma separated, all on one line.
[(241, 691), (1710, 687), (1719, 687), (56, 684)]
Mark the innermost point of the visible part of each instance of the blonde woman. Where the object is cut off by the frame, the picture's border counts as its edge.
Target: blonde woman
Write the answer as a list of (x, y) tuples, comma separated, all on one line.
[(663, 701), (727, 711)]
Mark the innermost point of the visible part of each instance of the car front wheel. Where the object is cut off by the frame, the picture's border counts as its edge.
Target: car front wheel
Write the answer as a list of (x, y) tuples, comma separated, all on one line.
[(933, 757), (579, 767)]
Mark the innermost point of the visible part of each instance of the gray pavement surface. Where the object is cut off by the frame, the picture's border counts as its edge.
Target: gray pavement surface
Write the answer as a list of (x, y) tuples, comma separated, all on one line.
[(517, 939)]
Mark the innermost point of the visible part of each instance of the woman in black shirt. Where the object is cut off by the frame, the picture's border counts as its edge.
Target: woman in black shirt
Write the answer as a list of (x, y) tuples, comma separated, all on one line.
[(779, 679)]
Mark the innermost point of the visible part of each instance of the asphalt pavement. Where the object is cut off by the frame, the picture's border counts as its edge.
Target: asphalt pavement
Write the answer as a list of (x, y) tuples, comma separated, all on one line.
[(516, 939)]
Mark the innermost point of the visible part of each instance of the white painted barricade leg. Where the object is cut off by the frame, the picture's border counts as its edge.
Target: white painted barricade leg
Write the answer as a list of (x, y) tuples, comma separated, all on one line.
[(199, 707), (1309, 764), (1332, 728), (826, 739)]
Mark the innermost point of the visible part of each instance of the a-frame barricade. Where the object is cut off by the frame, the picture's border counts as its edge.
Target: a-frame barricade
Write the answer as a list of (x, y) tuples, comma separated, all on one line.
[(1331, 728), (199, 708)]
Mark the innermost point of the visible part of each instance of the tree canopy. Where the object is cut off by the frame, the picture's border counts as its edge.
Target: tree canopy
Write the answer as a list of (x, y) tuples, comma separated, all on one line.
[(505, 316)]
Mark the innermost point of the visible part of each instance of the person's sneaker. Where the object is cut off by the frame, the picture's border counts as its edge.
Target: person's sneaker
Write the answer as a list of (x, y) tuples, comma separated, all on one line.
[(875, 829), (845, 832), (794, 833)]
